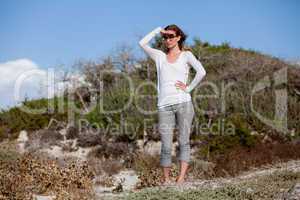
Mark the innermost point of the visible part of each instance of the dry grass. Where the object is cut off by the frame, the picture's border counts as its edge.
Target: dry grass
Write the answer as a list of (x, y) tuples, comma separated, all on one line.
[(147, 167), (37, 175)]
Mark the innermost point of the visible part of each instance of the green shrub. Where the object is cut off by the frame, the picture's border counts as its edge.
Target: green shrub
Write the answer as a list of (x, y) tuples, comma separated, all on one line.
[(266, 187), (16, 119)]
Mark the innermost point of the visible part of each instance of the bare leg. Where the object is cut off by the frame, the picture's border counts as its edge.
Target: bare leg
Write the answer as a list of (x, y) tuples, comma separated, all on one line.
[(166, 171), (183, 170)]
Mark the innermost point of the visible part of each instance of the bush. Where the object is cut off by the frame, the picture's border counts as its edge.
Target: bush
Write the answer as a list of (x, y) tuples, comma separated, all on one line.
[(16, 120), (36, 175)]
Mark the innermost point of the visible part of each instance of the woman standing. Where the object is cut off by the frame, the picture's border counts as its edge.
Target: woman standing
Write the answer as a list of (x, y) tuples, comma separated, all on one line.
[(175, 107)]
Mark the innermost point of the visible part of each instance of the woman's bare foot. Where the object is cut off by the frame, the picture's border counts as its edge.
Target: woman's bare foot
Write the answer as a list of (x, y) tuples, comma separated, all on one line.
[(179, 180)]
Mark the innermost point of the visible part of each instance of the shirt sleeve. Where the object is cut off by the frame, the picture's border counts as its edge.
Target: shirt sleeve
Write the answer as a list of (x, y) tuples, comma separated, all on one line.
[(200, 71), (144, 43)]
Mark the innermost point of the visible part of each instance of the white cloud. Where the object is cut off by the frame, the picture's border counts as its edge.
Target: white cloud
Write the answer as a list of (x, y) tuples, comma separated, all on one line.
[(9, 73), (33, 82)]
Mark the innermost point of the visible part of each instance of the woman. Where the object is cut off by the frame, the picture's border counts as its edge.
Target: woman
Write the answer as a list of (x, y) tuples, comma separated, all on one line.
[(175, 105)]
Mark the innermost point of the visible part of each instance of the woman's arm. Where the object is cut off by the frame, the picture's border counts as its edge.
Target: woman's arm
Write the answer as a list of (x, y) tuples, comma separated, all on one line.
[(200, 71), (153, 53)]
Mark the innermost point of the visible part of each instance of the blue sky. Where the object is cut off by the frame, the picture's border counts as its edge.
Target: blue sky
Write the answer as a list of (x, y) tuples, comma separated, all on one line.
[(40, 35), (57, 32)]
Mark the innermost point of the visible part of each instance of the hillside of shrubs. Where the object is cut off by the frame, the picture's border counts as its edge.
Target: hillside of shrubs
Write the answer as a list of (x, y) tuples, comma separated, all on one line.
[(232, 74)]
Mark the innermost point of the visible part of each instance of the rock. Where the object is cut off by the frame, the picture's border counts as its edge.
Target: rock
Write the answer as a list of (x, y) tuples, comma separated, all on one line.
[(127, 178), (23, 137)]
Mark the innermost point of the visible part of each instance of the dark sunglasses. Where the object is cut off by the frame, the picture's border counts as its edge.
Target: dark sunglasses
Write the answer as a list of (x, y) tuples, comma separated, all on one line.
[(166, 36)]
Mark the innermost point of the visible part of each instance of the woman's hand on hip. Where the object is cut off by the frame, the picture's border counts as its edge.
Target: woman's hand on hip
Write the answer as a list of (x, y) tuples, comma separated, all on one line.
[(180, 85)]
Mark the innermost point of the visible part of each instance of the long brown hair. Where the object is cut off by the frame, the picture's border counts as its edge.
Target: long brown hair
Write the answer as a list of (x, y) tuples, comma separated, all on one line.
[(179, 32)]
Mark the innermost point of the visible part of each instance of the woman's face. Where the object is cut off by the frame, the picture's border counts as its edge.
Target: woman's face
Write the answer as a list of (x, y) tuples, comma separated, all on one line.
[(171, 42)]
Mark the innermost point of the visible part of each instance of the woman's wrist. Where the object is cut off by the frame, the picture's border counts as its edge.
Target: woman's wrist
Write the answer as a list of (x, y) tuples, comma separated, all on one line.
[(158, 29), (187, 89)]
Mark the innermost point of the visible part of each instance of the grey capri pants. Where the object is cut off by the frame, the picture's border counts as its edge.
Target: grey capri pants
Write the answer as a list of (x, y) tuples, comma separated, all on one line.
[(182, 113)]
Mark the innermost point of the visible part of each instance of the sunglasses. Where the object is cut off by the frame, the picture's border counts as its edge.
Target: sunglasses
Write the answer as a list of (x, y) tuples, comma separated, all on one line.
[(166, 36)]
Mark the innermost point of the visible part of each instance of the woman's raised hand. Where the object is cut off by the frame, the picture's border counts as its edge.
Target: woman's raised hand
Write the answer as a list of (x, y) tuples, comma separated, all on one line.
[(163, 31)]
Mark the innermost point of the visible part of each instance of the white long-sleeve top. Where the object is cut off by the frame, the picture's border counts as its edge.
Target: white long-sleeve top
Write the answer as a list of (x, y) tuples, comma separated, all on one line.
[(168, 73)]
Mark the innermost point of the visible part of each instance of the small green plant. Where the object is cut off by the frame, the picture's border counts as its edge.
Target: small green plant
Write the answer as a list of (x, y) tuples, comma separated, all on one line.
[(266, 187)]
